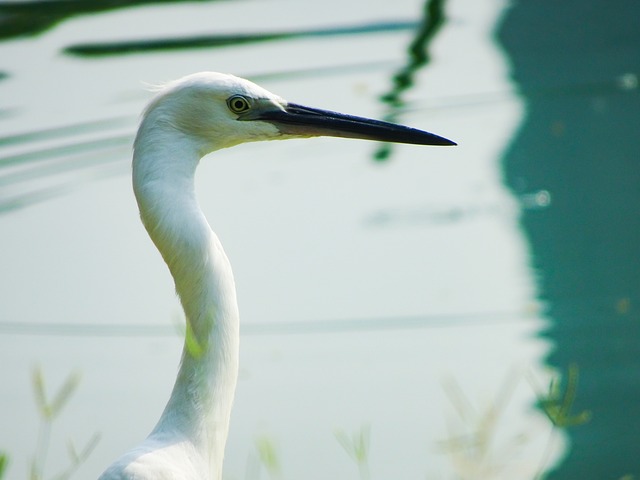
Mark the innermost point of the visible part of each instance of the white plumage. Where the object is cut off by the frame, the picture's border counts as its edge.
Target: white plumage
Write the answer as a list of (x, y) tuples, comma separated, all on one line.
[(188, 119)]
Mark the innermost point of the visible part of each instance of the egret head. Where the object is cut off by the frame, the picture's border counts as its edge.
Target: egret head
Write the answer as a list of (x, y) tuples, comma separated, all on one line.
[(218, 110), (206, 107)]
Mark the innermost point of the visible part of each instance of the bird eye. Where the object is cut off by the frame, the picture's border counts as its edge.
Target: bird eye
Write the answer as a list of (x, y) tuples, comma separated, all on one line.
[(238, 104)]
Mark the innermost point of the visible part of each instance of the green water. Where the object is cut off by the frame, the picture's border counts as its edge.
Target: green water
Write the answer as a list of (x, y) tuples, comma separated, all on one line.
[(577, 65)]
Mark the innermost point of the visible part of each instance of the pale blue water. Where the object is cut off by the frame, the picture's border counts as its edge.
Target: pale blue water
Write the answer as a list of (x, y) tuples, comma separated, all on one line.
[(366, 287)]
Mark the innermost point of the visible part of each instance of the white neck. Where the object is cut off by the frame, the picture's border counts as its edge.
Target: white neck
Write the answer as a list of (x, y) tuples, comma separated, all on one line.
[(199, 408)]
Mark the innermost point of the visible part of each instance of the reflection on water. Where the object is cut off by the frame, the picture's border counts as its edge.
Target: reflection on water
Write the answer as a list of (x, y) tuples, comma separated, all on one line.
[(28, 161), (350, 325), (34, 17), (33, 164), (580, 144), (417, 57), (218, 41)]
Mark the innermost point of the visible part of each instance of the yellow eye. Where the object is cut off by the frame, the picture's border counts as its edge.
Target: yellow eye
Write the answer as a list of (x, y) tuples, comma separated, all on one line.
[(238, 104)]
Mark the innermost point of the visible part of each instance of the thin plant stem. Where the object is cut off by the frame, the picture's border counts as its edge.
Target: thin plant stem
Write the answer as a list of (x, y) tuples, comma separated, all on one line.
[(42, 450)]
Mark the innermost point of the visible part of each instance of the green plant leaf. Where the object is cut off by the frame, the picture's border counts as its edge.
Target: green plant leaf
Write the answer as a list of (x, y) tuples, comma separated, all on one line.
[(559, 400), (4, 462), (268, 455), (39, 393), (64, 394)]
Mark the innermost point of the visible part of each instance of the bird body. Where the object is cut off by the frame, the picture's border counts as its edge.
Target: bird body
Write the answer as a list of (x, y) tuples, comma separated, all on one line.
[(188, 119)]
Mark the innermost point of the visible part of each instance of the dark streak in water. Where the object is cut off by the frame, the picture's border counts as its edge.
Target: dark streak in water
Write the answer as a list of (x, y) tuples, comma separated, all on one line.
[(18, 19), (418, 57), (219, 41)]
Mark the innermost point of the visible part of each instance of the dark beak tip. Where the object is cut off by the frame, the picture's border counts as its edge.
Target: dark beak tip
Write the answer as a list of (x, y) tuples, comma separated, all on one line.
[(438, 141), (309, 121)]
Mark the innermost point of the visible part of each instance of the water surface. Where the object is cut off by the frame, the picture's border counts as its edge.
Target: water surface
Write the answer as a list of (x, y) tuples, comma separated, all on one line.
[(379, 287)]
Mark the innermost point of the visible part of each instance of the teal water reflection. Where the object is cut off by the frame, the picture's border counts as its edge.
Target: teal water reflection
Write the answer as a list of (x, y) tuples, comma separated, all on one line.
[(577, 65), (407, 300)]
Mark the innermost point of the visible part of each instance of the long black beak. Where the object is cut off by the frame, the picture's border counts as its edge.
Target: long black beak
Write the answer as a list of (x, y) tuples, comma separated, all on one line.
[(306, 121)]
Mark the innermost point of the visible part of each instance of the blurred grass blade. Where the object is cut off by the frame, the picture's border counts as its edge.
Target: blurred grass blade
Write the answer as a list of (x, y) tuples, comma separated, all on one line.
[(82, 455), (4, 461), (39, 392), (357, 447), (65, 392), (268, 455), (50, 409), (559, 399)]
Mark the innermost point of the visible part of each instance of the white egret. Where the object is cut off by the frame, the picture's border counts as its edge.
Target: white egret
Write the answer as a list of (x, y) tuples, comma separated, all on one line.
[(189, 118)]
